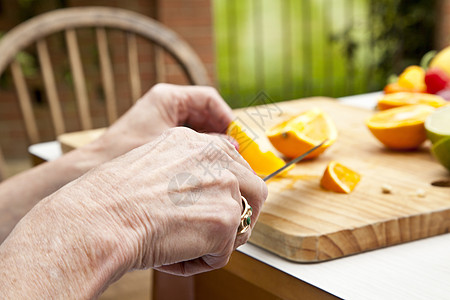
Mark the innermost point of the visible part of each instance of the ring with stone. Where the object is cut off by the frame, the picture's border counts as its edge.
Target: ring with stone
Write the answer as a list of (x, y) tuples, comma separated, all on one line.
[(245, 217)]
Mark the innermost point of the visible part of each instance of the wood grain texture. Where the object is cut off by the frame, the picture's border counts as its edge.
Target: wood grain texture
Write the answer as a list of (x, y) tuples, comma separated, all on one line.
[(50, 87), (107, 74), (25, 102), (302, 222), (133, 66), (78, 79)]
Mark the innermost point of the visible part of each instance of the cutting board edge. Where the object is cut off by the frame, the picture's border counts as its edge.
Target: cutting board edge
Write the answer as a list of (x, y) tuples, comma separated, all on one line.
[(382, 234)]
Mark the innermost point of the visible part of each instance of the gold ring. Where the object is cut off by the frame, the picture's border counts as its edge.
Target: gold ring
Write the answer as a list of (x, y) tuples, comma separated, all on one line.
[(245, 217)]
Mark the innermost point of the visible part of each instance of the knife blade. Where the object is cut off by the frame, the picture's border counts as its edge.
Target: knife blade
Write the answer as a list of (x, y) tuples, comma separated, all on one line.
[(294, 161)]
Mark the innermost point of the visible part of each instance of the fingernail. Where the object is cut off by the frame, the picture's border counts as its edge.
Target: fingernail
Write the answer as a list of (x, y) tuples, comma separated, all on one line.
[(235, 144)]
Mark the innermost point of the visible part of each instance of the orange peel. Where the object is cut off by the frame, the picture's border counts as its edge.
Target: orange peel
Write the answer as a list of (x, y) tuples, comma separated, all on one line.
[(299, 134), (400, 128), (263, 163), (405, 98), (339, 178)]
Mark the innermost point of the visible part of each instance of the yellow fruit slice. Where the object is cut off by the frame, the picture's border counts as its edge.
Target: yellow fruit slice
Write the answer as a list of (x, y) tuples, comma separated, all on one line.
[(442, 60), (338, 178), (400, 99), (299, 134), (413, 78), (400, 128), (263, 163)]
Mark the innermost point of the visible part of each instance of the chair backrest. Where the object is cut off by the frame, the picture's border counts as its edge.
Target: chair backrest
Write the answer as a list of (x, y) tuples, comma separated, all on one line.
[(2, 166), (67, 22)]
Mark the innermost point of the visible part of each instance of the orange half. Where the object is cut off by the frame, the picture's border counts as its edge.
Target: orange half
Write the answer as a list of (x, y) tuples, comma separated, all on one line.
[(263, 163), (400, 128), (400, 99), (338, 178), (300, 133)]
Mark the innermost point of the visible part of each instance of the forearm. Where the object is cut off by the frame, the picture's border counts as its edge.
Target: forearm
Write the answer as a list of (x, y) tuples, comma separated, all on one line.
[(59, 251), (22, 192)]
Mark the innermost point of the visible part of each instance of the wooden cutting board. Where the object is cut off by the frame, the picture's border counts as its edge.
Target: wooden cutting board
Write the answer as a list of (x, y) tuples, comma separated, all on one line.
[(302, 222)]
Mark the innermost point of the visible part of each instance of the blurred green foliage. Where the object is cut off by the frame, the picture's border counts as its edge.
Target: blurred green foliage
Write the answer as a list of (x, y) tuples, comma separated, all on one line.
[(293, 49)]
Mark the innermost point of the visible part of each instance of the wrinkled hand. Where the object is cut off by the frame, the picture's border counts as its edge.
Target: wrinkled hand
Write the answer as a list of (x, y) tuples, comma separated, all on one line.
[(165, 106), (176, 201)]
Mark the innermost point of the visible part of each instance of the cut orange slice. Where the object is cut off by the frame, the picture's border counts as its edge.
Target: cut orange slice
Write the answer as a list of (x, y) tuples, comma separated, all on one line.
[(400, 128), (263, 163), (400, 99), (300, 133), (338, 178)]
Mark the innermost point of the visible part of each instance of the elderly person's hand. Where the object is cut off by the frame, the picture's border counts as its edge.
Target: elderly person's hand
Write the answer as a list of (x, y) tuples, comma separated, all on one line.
[(173, 204), (162, 107)]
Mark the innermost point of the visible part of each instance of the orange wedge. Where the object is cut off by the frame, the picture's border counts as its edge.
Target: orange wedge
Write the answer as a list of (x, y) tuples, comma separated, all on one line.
[(263, 163), (338, 178), (300, 133), (400, 99), (400, 128)]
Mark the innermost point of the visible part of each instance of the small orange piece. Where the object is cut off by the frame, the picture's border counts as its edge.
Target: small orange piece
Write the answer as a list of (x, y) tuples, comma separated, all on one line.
[(263, 163), (338, 178), (400, 128), (301, 133), (394, 87), (412, 79), (406, 98)]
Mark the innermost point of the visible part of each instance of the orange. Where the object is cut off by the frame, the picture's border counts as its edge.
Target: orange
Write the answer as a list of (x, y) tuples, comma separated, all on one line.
[(413, 78), (338, 178), (297, 135), (400, 128), (406, 98), (263, 163), (395, 88)]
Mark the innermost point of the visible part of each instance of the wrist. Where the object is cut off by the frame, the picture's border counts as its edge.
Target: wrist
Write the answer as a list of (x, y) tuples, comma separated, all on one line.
[(69, 247)]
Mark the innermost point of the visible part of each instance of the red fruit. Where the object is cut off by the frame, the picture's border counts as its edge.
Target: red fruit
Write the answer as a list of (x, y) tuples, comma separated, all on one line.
[(436, 80)]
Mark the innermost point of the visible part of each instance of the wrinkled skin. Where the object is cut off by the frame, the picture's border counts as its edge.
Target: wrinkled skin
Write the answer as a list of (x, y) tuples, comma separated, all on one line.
[(173, 203)]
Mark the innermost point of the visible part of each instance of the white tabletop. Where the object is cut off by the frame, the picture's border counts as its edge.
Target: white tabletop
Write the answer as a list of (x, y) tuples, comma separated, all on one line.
[(414, 270)]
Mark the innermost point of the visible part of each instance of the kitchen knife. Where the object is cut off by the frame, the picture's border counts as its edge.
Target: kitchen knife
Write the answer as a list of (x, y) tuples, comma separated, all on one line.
[(294, 161)]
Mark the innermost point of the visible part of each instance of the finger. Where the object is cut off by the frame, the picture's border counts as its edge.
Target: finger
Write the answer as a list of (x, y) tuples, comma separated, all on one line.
[(227, 138), (196, 266), (186, 268), (251, 186), (205, 110)]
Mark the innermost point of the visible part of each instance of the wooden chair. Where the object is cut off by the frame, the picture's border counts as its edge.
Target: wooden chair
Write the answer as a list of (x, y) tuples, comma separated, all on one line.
[(34, 34), (2, 166)]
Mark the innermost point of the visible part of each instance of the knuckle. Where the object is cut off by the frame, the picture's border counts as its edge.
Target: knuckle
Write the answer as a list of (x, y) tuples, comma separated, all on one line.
[(226, 220), (212, 91), (176, 132), (159, 87), (229, 180)]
